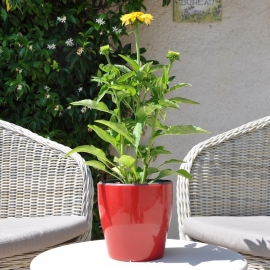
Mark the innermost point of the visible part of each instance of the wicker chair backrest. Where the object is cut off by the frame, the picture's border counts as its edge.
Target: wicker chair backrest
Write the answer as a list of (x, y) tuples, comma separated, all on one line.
[(233, 178), (231, 174), (36, 179)]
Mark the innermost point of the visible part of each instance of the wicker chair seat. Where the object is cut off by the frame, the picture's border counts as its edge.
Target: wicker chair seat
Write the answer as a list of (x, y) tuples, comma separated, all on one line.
[(230, 177), (22, 235), (248, 235)]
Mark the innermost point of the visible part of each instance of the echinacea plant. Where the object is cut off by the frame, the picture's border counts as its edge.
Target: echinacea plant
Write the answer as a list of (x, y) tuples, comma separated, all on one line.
[(142, 93)]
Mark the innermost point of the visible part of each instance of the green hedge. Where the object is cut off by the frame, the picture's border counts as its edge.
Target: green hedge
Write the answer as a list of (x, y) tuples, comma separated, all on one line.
[(48, 52)]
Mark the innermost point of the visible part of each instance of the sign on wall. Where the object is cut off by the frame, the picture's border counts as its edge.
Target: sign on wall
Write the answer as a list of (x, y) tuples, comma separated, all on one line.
[(197, 10)]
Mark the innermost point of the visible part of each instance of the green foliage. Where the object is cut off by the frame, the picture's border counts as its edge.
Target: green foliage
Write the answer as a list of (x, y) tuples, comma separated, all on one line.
[(49, 50), (136, 87)]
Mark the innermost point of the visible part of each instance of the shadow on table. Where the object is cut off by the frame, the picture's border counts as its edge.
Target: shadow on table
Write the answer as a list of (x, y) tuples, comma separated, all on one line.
[(195, 254)]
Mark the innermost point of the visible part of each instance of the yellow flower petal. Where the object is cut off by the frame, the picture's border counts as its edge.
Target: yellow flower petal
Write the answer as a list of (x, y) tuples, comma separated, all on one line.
[(8, 5), (125, 19), (140, 18), (137, 14), (133, 19), (147, 18)]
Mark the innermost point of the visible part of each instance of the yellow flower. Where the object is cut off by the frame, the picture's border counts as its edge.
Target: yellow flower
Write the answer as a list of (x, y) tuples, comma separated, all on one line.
[(8, 6), (133, 16)]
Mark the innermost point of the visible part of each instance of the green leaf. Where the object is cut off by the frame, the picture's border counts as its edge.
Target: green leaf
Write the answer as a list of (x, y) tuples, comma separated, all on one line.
[(90, 149), (116, 170), (152, 170), (125, 77), (36, 64), (80, 8), (172, 161), (137, 132), (182, 130), (96, 164), (100, 166), (165, 103), (132, 63), (47, 68), (183, 100), (156, 67), (184, 173), (118, 128), (146, 67), (165, 76), (103, 91), (123, 68), (127, 88), (104, 136), (100, 106), (71, 18), (144, 111), (168, 172), (160, 125), (177, 86), (158, 151), (125, 160), (3, 14)]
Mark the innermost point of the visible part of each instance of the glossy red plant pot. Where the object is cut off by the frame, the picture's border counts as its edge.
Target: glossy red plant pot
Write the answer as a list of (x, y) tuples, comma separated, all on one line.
[(135, 219)]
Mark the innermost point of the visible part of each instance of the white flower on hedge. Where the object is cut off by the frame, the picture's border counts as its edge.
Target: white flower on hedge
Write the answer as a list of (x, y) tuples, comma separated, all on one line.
[(46, 87), (19, 70), (69, 42), (69, 107), (116, 30), (83, 110), (80, 51), (100, 21), (80, 89), (30, 47), (51, 46), (19, 87), (62, 19), (1, 51), (60, 113), (56, 108), (48, 96)]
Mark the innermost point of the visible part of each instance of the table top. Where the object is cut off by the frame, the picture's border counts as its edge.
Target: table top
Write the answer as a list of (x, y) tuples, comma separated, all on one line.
[(184, 255)]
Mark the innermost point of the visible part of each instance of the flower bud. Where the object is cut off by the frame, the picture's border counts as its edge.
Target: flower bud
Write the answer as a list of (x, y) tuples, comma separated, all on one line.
[(105, 50), (173, 55)]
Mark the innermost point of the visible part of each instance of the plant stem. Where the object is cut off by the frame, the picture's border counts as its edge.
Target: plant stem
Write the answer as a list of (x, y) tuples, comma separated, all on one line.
[(108, 58), (150, 144), (137, 42), (119, 118), (136, 25), (170, 67)]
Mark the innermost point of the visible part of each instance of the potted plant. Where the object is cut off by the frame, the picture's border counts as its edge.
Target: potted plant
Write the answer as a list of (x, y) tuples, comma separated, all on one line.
[(135, 207)]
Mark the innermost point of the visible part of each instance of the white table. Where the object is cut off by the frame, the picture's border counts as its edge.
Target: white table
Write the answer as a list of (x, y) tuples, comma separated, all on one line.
[(182, 255)]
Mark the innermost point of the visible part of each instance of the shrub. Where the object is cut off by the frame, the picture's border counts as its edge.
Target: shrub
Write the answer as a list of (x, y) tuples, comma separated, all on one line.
[(48, 52)]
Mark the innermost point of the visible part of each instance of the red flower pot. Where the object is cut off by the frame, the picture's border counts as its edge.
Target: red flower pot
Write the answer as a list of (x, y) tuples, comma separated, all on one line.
[(135, 219)]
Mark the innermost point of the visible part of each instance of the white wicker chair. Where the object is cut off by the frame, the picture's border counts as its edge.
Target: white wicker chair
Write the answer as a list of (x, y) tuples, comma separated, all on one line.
[(37, 180), (231, 177)]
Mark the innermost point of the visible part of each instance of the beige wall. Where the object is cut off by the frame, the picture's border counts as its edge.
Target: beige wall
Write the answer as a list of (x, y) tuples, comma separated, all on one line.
[(227, 63)]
